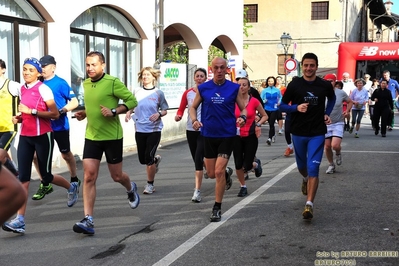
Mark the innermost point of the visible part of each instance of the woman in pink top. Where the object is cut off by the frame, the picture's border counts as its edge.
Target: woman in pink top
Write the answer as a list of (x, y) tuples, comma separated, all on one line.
[(194, 138), (246, 143), (37, 107)]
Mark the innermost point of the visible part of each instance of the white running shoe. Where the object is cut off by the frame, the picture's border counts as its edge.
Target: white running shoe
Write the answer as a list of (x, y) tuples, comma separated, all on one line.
[(149, 189), (274, 139), (159, 159), (330, 169), (196, 196), (338, 159)]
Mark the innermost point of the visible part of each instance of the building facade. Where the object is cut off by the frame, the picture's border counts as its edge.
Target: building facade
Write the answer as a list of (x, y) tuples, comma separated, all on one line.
[(127, 32), (314, 26)]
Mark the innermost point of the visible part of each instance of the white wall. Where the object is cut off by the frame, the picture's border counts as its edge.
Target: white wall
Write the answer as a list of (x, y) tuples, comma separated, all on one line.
[(207, 19)]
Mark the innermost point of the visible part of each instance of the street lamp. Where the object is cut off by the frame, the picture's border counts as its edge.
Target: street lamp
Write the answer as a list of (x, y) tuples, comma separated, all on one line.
[(285, 42)]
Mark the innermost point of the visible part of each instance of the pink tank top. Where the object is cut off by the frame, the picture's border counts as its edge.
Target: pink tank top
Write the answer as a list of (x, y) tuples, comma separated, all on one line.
[(33, 125)]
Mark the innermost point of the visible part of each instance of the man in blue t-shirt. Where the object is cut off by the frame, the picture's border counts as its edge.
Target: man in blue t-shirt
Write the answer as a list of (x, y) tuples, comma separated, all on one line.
[(218, 127), (66, 101), (393, 87)]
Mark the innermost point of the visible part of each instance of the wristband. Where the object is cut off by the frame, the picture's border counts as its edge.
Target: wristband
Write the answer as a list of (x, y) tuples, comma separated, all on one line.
[(244, 118), (258, 124), (160, 114)]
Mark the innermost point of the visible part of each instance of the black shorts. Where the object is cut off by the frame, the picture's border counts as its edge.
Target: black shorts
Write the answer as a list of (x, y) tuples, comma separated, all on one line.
[(6, 139), (279, 115), (113, 150), (213, 147), (62, 139)]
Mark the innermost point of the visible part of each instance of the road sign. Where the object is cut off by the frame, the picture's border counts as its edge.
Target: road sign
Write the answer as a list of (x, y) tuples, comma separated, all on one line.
[(290, 64)]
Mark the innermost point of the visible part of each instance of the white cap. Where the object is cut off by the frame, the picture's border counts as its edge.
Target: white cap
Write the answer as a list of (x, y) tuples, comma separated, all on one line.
[(241, 73)]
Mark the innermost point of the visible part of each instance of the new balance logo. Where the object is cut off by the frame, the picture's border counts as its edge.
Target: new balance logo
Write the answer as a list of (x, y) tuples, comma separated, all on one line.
[(368, 51)]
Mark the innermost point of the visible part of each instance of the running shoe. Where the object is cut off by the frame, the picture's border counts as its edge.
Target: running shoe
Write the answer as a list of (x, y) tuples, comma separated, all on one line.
[(288, 152), (229, 180), (149, 189), (304, 188), (42, 191), (15, 226), (216, 215), (350, 130), (308, 212), (338, 159), (376, 131), (356, 135), (159, 159), (389, 128), (258, 169), (383, 135), (133, 196), (86, 226), (330, 169), (73, 194), (280, 132), (274, 139), (196, 196), (243, 192), (269, 141), (206, 176)]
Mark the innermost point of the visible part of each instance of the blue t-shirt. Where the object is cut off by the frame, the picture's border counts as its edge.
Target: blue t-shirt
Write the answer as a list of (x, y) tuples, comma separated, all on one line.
[(217, 110), (271, 97), (63, 93)]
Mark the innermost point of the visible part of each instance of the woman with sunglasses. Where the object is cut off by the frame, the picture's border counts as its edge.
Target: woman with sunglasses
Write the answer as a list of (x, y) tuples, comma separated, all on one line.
[(37, 108)]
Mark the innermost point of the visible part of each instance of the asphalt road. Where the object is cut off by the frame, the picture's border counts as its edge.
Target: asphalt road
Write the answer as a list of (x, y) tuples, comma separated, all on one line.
[(355, 214)]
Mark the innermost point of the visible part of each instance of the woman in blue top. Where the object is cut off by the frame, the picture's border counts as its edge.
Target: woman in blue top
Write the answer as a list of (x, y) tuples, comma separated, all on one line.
[(271, 97)]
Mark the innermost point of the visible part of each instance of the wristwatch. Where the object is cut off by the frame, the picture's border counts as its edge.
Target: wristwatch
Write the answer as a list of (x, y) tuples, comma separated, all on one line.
[(61, 111), (258, 124), (113, 110), (33, 111)]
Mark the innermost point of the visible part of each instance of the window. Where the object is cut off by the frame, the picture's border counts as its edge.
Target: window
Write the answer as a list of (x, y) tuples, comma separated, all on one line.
[(281, 63), (251, 13), (22, 35), (319, 10), (105, 30)]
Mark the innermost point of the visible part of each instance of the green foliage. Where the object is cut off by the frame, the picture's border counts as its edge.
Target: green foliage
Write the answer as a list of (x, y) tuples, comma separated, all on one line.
[(213, 52), (177, 53), (246, 26)]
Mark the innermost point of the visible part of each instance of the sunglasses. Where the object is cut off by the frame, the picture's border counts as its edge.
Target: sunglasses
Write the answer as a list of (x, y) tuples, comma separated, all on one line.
[(34, 60)]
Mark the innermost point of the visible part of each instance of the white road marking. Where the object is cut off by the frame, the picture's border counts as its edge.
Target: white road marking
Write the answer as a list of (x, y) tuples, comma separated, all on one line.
[(198, 237)]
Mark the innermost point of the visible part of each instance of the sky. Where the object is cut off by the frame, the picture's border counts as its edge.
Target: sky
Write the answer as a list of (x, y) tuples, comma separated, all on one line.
[(395, 7)]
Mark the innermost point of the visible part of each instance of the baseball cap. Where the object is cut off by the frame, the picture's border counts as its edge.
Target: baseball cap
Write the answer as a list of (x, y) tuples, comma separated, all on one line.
[(330, 77), (241, 73), (47, 60)]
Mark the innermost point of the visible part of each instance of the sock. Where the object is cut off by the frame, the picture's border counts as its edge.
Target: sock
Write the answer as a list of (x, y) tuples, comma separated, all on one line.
[(290, 146), (244, 186), (309, 203), (74, 179), (21, 217), (150, 182), (356, 132), (45, 183), (218, 205), (305, 179), (197, 190), (10, 166)]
